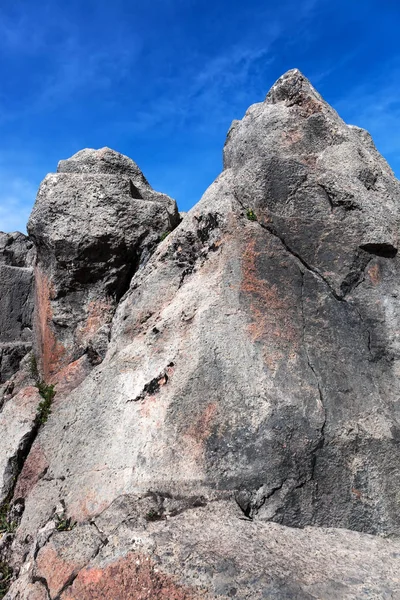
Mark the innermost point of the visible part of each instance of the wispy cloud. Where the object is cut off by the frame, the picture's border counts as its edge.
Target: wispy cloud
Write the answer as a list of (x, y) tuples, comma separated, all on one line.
[(66, 62)]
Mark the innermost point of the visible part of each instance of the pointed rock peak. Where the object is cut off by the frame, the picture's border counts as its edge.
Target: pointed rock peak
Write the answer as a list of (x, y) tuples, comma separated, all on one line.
[(292, 88), (103, 161)]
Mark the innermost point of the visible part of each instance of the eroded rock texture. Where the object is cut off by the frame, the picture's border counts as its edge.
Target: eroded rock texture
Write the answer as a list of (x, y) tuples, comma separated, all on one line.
[(250, 386), (94, 222), (16, 301)]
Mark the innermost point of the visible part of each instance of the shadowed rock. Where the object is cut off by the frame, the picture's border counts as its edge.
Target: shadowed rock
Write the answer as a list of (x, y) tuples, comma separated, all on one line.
[(94, 222), (16, 301), (251, 374)]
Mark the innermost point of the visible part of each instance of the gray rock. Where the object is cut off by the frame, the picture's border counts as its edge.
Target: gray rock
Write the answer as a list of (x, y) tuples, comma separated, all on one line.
[(16, 250), (16, 301), (212, 552), (94, 223), (252, 369), (17, 431)]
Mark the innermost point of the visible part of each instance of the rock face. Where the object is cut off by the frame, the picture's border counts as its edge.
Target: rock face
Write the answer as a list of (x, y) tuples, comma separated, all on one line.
[(94, 222), (250, 385), (16, 301)]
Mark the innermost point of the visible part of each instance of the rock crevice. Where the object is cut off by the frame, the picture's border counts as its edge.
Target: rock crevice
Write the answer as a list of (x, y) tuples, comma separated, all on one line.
[(227, 382)]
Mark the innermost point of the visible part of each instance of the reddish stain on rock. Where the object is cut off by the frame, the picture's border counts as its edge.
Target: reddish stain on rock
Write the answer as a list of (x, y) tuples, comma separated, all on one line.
[(292, 136), (34, 468), (71, 376), (306, 105), (134, 577), (55, 570), (87, 505), (269, 309), (201, 429), (99, 312), (26, 401), (52, 352), (374, 274)]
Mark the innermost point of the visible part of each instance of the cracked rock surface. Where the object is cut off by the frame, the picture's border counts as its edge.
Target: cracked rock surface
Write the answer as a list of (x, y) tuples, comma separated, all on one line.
[(16, 301), (241, 436), (94, 222)]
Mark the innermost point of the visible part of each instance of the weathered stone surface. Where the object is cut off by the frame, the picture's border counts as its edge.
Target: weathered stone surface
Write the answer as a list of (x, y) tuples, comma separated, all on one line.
[(64, 555), (16, 301), (16, 250), (252, 370), (213, 552), (17, 428), (93, 223)]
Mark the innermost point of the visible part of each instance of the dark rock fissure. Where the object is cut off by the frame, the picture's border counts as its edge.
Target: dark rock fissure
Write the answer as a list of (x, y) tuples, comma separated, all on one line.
[(309, 268), (43, 581), (383, 250), (281, 402), (154, 385)]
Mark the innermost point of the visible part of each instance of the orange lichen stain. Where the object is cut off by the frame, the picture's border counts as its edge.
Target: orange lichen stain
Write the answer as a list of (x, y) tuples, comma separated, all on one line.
[(71, 376), (374, 274), (293, 136), (194, 437), (27, 398), (308, 106), (201, 429), (55, 570), (52, 352), (134, 577), (268, 308), (34, 468), (99, 312), (87, 506)]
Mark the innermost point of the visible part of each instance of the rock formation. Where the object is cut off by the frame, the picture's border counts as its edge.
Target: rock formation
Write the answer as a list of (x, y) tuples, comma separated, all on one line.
[(16, 302), (226, 417), (94, 222)]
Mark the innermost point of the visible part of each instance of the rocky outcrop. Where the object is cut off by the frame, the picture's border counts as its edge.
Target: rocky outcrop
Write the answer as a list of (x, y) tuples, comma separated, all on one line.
[(16, 301), (245, 401), (94, 223)]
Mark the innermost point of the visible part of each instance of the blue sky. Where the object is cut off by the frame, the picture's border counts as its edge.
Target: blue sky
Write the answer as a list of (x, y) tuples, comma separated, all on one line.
[(161, 81)]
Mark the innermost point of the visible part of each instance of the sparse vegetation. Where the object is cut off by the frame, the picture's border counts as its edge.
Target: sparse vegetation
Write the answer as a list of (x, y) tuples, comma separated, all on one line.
[(33, 368), (45, 390), (5, 578), (251, 215), (164, 235), (44, 409), (64, 524), (6, 526), (153, 515)]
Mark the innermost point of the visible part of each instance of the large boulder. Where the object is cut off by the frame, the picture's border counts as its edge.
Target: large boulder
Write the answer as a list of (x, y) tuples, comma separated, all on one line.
[(16, 301), (251, 376), (94, 222)]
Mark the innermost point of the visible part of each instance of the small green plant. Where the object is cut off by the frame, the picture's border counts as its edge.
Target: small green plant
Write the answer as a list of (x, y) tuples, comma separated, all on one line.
[(45, 390), (164, 235), (33, 368), (6, 526), (251, 215), (44, 409), (64, 524), (5, 578), (153, 515)]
